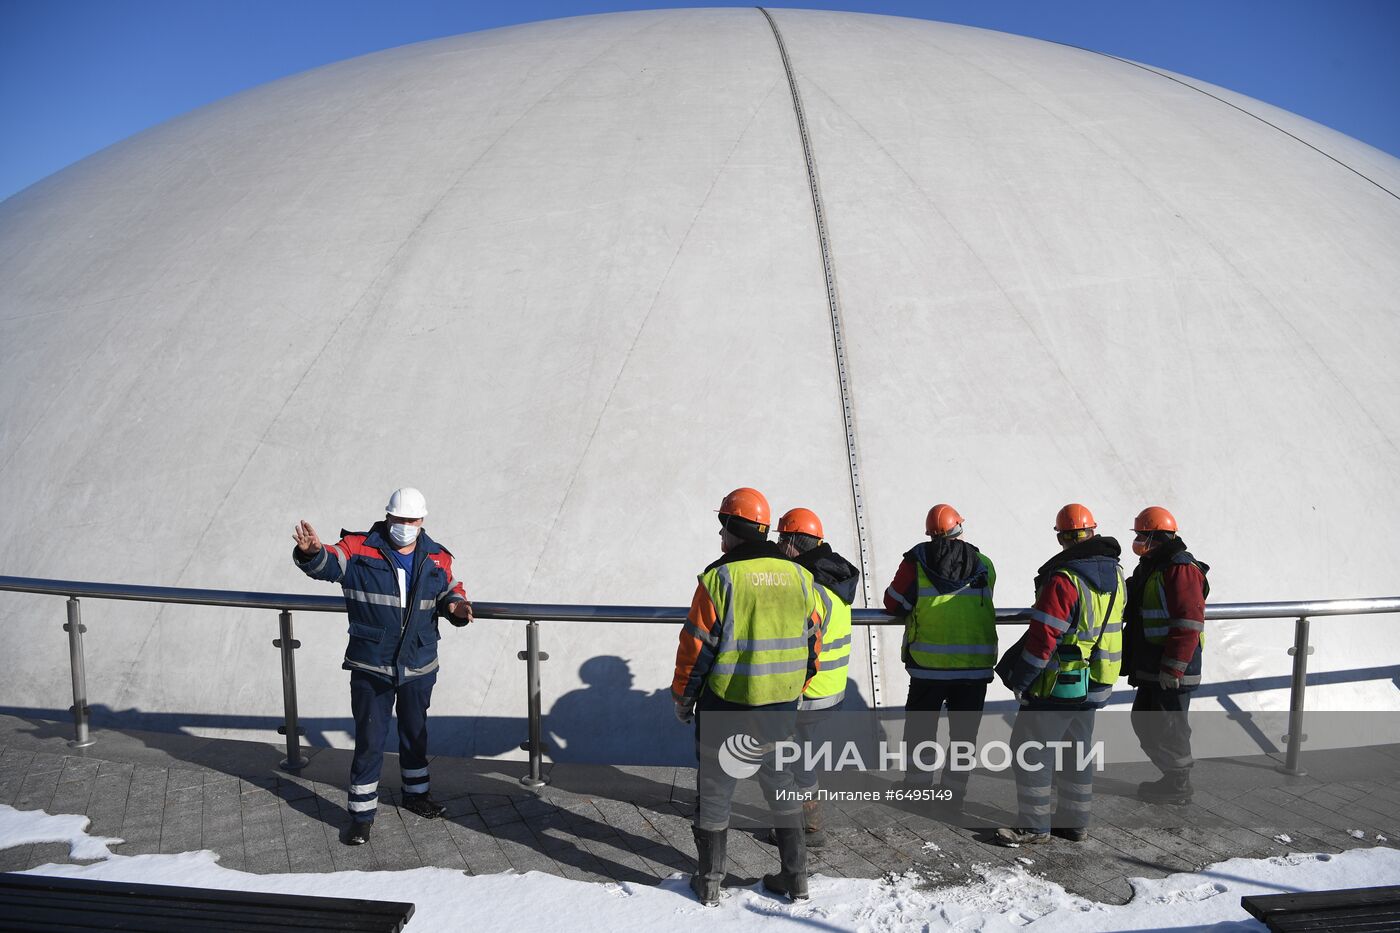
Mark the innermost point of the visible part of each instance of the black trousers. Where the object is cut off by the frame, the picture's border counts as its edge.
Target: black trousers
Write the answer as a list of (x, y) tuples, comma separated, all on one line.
[(964, 699), (372, 702), (1159, 720)]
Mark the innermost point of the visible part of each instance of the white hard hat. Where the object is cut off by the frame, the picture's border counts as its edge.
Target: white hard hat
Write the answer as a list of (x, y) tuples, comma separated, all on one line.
[(407, 503)]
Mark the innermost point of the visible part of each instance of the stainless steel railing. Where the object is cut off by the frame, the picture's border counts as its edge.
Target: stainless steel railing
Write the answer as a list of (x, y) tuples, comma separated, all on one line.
[(535, 613)]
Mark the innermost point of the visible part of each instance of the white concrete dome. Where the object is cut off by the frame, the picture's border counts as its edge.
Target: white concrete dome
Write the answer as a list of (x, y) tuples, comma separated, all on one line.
[(565, 279)]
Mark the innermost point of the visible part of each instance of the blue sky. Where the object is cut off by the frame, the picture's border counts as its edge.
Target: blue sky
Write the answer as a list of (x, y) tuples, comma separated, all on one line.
[(79, 75)]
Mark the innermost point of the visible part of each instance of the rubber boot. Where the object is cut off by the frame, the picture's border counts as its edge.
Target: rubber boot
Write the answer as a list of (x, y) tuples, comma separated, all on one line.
[(814, 823), (792, 853), (709, 846), (1172, 787)]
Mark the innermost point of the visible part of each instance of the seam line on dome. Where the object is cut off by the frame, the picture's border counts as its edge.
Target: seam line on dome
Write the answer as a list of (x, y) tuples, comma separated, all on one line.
[(838, 344), (1249, 113)]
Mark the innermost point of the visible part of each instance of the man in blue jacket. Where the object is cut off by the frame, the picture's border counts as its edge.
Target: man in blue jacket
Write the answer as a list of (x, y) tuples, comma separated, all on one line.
[(397, 581)]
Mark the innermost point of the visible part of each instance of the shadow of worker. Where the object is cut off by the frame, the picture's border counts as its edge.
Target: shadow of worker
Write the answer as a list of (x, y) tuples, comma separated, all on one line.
[(607, 721)]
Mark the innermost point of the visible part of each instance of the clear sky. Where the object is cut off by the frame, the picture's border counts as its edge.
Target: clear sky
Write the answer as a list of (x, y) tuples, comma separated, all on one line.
[(79, 75)]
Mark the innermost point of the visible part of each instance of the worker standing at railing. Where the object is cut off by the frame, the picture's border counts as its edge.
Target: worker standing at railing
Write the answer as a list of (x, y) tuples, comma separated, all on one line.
[(397, 581), (1062, 670), (1163, 645), (749, 648), (801, 539), (943, 589)]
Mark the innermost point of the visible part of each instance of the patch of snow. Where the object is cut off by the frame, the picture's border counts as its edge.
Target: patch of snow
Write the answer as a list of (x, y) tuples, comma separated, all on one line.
[(1356, 833), (30, 827), (1002, 897)]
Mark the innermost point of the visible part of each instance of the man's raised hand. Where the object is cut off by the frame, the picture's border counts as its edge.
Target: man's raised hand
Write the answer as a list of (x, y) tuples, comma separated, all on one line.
[(308, 542)]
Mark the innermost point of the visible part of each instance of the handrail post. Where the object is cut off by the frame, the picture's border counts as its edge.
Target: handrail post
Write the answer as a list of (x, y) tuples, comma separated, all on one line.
[(532, 656), (1296, 737), (294, 761), (75, 629)]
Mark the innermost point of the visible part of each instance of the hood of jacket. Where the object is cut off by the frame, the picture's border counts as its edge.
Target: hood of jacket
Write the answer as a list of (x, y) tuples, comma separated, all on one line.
[(832, 571), (949, 563), (1095, 561)]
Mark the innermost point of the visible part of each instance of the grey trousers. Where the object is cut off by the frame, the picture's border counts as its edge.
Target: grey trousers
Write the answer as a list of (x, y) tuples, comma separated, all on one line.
[(1038, 782), (717, 779)]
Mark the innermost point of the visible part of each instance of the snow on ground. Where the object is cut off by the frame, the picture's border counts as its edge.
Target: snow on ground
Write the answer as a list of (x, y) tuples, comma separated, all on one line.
[(1005, 898)]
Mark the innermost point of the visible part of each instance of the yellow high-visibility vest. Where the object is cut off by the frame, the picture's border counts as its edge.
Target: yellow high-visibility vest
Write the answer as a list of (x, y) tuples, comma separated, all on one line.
[(953, 636), (1094, 639), (765, 607), (828, 688)]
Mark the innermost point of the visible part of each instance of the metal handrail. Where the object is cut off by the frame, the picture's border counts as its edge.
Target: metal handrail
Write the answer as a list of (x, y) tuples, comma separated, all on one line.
[(534, 613), (563, 612)]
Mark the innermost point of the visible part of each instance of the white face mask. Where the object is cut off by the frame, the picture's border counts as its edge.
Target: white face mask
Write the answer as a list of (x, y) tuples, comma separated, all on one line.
[(403, 535)]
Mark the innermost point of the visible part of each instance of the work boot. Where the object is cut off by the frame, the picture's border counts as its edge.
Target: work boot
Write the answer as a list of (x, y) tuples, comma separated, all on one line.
[(423, 805), (358, 834), (709, 873), (813, 825), (1012, 837), (792, 853), (1173, 787), (1070, 826)]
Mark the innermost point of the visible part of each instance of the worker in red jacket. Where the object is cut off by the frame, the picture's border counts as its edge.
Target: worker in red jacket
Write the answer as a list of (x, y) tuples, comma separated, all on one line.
[(1163, 643), (1062, 671), (943, 591)]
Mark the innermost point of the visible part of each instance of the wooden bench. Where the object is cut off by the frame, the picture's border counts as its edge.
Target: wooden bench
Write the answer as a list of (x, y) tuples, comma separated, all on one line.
[(36, 902), (1354, 910)]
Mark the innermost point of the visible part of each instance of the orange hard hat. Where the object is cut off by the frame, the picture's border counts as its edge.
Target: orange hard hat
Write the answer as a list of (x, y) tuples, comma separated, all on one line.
[(748, 504), (1155, 518), (942, 518), (802, 522), (1074, 517)]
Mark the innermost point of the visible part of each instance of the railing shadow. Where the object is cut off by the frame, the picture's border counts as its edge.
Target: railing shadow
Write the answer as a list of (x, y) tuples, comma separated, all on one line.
[(606, 721)]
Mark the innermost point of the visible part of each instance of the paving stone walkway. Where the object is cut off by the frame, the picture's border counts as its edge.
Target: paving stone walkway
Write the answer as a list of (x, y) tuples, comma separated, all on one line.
[(172, 793)]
